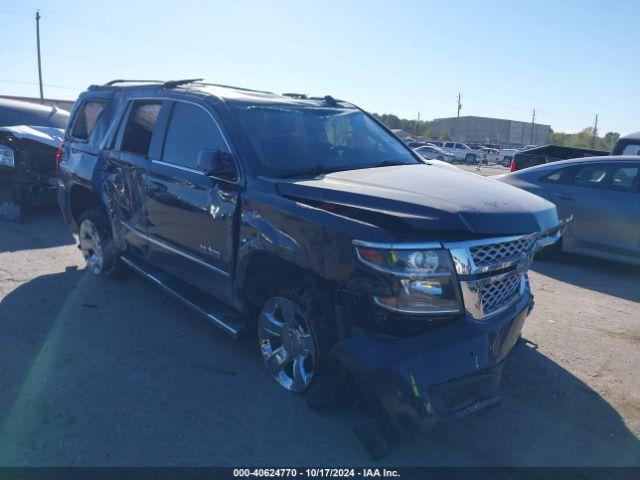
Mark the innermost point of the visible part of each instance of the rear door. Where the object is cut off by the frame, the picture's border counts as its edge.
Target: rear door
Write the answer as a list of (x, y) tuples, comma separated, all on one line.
[(190, 216), (137, 140), (604, 201), (83, 137)]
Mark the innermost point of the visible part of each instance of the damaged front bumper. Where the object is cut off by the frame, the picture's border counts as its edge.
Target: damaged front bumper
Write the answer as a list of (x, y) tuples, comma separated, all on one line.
[(443, 374)]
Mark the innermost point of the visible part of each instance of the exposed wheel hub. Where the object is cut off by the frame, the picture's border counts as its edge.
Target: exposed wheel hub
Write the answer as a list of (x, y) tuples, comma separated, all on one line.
[(91, 246)]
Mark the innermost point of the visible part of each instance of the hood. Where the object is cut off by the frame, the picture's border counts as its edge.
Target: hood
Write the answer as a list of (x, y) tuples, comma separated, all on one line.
[(51, 136), (429, 198)]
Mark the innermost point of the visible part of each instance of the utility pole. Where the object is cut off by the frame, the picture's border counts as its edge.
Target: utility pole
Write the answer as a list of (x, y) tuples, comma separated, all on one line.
[(39, 62), (417, 122), (459, 104), (595, 132), (533, 124)]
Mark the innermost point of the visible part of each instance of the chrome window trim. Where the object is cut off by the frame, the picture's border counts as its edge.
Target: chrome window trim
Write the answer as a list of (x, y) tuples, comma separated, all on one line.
[(173, 249), (237, 162), (179, 167)]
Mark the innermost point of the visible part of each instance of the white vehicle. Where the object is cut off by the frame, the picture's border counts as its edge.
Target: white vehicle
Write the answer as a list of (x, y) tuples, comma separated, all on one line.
[(431, 152), (464, 153), (505, 156), (491, 154)]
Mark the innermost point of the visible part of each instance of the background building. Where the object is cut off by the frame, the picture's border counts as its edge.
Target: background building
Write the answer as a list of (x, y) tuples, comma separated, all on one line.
[(508, 133)]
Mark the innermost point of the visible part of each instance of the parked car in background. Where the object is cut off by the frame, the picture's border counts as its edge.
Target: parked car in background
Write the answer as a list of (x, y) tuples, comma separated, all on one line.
[(463, 152), (603, 196), (550, 153), (506, 155), (30, 135), (627, 145), (491, 154), (308, 224), (431, 152)]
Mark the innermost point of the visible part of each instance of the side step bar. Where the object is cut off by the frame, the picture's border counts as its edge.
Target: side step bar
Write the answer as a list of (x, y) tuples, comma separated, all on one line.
[(213, 310)]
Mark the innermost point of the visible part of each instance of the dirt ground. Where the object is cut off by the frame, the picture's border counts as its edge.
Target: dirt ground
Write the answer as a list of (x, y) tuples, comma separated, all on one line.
[(111, 373)]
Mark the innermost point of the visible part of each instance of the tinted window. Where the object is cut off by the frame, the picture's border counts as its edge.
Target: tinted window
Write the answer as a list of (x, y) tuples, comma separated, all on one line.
[(631, 149), (625, 178), (191, 129), (86, 119), (140, 125), (591, 176), (460, 146), (556, 177), (297, 140), (448, 145)]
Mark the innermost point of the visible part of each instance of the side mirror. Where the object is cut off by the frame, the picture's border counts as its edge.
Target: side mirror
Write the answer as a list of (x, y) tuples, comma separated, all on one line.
[(217, 163)]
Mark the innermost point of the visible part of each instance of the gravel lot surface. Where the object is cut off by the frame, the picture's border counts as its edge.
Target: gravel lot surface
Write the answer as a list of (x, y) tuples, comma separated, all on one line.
[(106, 372)]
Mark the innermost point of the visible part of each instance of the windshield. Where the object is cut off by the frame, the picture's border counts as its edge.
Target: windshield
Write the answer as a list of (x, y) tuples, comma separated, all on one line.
[(296, 141)]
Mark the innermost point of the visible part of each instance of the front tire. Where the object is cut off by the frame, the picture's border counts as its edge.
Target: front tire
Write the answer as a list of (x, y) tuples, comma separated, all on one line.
[(296, 329), (97, 245)]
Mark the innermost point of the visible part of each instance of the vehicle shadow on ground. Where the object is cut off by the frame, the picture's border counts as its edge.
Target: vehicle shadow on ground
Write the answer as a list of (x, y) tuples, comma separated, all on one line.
[(603, 276), (27, 316), (548, 418), (111, 358), (39, 227)]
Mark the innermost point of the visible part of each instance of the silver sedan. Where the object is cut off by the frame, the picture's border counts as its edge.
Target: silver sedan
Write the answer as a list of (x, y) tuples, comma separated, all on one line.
[(602, 194)]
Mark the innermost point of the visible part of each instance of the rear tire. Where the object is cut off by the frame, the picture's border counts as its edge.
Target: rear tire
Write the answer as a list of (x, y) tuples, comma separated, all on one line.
[(97, 245)]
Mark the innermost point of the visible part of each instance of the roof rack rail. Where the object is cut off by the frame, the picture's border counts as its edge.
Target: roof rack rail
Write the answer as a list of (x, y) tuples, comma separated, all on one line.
[(177, 83), (297, 96), (115, 82)]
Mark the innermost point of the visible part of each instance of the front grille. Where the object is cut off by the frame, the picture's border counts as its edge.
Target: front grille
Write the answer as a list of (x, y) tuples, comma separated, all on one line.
[(497, 293), (497, 253)]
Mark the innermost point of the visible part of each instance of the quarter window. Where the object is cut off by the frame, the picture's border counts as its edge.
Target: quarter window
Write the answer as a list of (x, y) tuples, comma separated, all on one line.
[(191, 129), (557, 176), (86, 119), (142, 120), (625, 178)]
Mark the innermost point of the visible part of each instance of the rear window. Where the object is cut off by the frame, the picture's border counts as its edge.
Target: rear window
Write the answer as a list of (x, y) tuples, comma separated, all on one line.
[(142, 120), (86, 119)]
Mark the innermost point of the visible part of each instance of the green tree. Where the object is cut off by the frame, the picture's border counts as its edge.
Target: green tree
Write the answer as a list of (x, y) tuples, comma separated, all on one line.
[(584, 138)]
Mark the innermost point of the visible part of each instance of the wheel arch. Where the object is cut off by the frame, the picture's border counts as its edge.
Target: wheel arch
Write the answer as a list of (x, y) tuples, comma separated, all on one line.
[(81, 199)]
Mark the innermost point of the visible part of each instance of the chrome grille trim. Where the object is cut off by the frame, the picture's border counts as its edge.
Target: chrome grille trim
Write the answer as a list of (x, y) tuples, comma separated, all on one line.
[(507, 258)]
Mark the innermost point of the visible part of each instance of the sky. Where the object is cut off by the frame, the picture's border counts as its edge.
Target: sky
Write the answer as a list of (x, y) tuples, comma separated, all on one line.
[(568, 59)]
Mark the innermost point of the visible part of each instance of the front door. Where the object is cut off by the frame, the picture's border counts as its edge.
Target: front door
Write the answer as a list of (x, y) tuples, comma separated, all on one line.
[(190, 216)]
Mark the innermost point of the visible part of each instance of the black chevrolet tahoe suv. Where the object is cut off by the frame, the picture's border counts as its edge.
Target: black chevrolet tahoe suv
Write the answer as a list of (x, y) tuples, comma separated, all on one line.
[(307, 223)]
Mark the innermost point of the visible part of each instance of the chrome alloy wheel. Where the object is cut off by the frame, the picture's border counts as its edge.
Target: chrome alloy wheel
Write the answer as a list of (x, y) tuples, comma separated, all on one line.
[(91, 246), (288, 344)]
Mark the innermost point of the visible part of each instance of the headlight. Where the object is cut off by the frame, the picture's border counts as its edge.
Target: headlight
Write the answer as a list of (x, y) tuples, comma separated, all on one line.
[(6, 157), (423, 279)]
